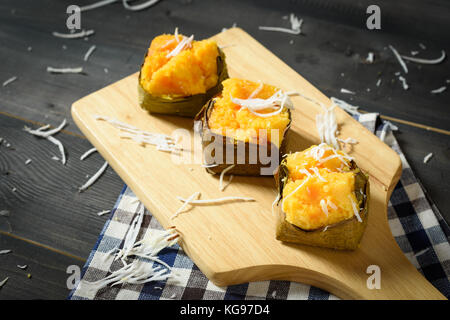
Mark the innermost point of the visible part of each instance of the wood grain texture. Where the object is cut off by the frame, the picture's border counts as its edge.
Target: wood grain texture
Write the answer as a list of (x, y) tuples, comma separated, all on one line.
[(47, 270), (235, 243)]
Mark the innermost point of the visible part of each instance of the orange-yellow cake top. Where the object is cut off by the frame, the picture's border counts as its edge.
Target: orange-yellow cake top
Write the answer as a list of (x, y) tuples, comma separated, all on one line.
[(192, 71), (320, 190), (233, 120)]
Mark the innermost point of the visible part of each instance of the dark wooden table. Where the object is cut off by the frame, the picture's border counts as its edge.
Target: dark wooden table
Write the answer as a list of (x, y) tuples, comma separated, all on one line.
[(51, 226)]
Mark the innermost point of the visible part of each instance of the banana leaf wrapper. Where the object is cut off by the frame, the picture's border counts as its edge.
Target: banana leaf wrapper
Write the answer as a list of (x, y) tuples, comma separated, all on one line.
[(345, 235), (243, 155), (182, 106)]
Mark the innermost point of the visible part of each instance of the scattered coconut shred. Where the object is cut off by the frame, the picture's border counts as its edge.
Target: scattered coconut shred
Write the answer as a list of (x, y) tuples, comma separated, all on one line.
[(87, 153), (64, 70), (404, 83), (277, 101), (94, 178), (89, 52), (192, 200), (399, 58), (125, 4), (81, 34), (439, 90), (296, 26), (10, 80), (3, 282), (426, 61), (101, 213), (370, 57), (162, 142), (221, 186), (215, 201), (4, 213), (347, 91), (40, 132), (427, 157)]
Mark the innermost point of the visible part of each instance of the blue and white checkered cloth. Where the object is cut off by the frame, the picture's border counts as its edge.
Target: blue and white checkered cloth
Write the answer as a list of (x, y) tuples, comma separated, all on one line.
[(415, 222)]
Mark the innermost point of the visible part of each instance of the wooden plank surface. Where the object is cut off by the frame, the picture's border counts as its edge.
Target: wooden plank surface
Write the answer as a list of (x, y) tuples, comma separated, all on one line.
[(335, 41), (235, 243), (47, 270)]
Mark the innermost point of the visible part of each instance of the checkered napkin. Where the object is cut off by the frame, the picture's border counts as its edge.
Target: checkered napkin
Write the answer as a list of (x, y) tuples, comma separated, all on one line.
[(415, 222)]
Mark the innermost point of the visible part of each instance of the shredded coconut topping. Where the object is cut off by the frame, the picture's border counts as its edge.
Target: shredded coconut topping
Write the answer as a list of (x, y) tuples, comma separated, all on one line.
[(324, 207), (184, 43), (327, 126), (355, 209), (316, 172), (278, 101)]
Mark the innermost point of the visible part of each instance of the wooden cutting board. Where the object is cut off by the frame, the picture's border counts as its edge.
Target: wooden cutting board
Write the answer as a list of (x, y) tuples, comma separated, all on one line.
[(235, 242)]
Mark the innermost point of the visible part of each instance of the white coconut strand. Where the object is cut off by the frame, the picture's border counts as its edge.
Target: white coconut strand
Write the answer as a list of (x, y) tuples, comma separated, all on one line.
[(138, 7), (81, 34), (399, 58), (89, 53), (64, 70), (94, 178), (88, 153), (426, 61)]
